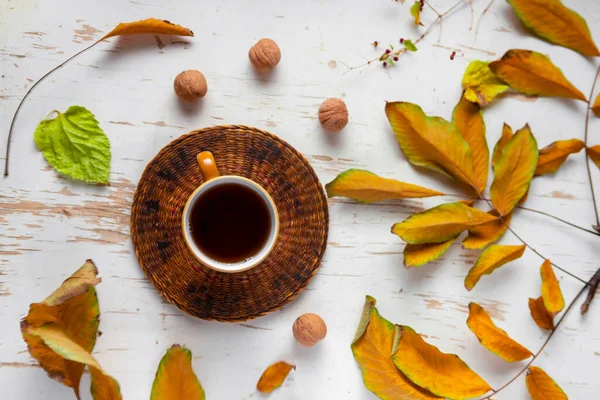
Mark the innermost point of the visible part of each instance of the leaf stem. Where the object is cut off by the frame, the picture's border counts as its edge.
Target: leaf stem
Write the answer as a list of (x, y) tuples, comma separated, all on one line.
[(585, 139), (14, 118), (593, 287)]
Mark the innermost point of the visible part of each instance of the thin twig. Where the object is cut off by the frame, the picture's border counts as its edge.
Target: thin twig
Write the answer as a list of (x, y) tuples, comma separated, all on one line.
[(587, 161), (481, 16), (593, 287), (472, 14), (560, 220)]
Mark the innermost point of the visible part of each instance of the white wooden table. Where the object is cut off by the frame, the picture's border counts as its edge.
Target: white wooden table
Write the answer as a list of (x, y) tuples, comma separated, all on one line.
[(49, 225)]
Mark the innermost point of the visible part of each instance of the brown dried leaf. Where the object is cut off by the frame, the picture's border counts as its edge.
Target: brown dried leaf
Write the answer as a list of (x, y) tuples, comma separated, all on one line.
[(540, 315)]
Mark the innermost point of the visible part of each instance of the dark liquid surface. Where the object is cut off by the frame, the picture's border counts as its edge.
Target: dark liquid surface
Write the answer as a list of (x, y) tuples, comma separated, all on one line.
[(230, 223)]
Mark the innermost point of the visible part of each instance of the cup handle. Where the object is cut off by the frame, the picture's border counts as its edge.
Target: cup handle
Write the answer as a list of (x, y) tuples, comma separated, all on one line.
[(207, 164)]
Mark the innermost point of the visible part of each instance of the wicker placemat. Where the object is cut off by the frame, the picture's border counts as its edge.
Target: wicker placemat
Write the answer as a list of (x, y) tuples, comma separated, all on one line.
[(179, 277)]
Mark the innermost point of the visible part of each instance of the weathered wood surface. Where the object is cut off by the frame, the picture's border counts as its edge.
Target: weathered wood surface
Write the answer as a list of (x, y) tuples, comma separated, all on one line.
[(49, 225)]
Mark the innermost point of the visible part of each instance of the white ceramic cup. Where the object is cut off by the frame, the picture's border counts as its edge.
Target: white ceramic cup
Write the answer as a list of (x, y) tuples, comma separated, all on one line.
[(212, 179)]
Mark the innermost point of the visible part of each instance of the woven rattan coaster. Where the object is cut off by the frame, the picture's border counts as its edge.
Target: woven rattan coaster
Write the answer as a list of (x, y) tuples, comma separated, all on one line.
[(179, 277)]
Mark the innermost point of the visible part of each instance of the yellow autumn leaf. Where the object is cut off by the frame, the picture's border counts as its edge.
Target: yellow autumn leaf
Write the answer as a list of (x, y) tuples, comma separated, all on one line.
[(175, 379), (151, 25), (542, 387), (490, 259), (507, 134), (416, 255), (596, 106), (274, 376), (540, 315), (443, 374), (372, 349), (488, 233), (555, 154), (440, 223), (514, 171), (431, 142), (551, 20), (533, 73), (493, 338), (366, 187), (468, 119), (551, 293), (415, 11), (481, 85), (593, 152)]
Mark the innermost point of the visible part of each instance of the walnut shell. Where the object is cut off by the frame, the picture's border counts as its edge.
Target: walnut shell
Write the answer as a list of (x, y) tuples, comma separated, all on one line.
[(333, 115), (309, 329), (190, 85), (264, 55)]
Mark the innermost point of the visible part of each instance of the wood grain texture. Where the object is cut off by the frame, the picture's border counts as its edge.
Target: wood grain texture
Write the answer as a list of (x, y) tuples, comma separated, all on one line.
[(50, 225)]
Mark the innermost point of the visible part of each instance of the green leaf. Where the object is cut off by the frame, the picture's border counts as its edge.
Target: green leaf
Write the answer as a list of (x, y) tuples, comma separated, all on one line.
[(415, 11), (410, 45), (75, 145)]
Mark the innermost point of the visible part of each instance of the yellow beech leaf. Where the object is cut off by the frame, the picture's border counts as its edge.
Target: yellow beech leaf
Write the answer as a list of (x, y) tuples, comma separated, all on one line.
[(415, 11), (514, 171), (366, 187), (468, 119), (542, 387), (540, 315), (483, 235), (491, 258), (507, 134), (551, 20), (596, 106), (440, 223), (493, 338), (533, 73), (594, 153), (274, 376), (372, 349), (481, 85), (416, 255), (551, 293), (151, 25), (175, 379), (555, 154), (443, 374), (431, 142)]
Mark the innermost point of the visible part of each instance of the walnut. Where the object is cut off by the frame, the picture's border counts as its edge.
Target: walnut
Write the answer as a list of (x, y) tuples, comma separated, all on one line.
[(264, 55), (309, 329), (190, 85), (333, 115)]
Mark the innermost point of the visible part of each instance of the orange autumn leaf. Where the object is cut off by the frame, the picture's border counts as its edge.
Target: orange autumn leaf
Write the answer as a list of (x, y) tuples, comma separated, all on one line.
[(533, 73), (274, 376), (486, 234), (551, 20), (542, 387), (490, 259), (593, 153), (431, 142), (555, 154), (596, 106), (540, 315), (175, 379), (372, 349), (468, 118), (416, 255), (551, 293), (151, 25), (440, 223), (366, 187), (514, 171), (443, 374), (493, 338), (507, 134)]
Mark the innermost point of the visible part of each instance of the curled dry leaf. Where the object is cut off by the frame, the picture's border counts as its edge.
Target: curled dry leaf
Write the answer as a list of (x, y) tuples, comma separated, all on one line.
[(415, 11), (540, 315), (551, 20), (551, 293), (481, 85), (507, 134), (372, 348), (555, 154), (443, 374), (533, 73), (366, 187), (151, 25), (175, 379), (593, 152), (542, 387), (431, 142), (596, 106), (468, 118), (490, 259), (274, 376), (483, 235), (493, 338), (416, 255), (514, 171), (440, 223)]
